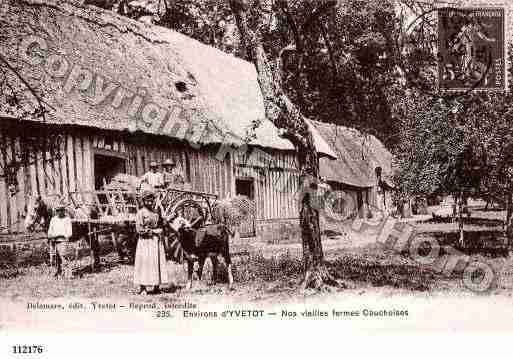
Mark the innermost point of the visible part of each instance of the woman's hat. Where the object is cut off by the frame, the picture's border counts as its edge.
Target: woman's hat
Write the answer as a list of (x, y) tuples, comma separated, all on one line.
[(153, 164), (60, 205)]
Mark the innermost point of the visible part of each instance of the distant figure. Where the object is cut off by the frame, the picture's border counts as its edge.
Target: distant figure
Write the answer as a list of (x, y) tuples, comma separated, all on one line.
[(59, 234), (381, 189), (172, 175), (153, 177), (323, 184)]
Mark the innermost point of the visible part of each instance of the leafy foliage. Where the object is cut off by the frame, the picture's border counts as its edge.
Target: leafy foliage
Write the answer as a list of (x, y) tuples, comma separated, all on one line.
[(463, 144)]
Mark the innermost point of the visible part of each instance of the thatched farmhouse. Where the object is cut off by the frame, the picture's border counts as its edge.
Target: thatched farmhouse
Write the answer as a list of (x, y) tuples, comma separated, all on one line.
[(120, 94), (354, 170)]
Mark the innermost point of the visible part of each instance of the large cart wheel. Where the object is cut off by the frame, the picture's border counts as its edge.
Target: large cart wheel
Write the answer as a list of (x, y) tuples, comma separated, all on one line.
[(188, 209)]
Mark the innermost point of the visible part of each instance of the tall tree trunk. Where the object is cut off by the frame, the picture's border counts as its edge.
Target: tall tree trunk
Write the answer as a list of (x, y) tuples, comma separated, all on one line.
[(508, 223), (460, 219), (293, 126)]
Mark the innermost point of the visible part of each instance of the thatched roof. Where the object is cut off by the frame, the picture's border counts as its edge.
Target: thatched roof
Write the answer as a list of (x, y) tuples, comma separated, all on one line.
[(357, 157), (192, 83)]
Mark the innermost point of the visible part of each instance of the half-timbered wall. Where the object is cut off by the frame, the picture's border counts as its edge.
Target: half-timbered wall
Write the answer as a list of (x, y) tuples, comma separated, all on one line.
[(56, 171), (71, 167), (276, 182)]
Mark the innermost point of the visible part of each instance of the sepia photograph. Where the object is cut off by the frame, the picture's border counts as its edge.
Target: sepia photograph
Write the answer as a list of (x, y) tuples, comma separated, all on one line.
[(244, 166)]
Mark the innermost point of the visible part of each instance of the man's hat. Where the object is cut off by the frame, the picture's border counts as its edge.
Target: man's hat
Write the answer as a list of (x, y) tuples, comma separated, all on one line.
[(153, 164), (169, 162), (147, 194)]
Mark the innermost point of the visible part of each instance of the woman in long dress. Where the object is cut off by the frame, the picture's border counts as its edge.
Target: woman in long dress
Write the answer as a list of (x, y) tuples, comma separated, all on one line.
[(150, 259)]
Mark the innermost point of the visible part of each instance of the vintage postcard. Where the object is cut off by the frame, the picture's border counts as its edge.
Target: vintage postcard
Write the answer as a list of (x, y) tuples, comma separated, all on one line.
[(243, 167)]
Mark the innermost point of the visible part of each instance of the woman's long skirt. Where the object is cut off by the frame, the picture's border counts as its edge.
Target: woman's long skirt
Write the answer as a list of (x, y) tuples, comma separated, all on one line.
[(150, 262)]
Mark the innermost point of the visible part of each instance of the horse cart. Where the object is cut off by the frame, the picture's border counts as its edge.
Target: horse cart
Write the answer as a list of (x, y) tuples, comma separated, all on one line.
[(113, 212)]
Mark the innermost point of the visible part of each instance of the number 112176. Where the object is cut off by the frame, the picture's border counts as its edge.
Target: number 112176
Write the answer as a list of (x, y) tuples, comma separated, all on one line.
[(27, 349)]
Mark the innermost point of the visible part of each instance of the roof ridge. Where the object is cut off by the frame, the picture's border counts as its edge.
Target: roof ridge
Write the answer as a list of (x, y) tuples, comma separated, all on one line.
[(146, 31), (129, 55), (70, 8)]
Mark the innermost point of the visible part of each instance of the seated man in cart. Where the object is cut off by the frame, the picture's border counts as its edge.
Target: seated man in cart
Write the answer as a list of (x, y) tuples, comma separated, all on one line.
[(153, 177), (59, 235), (173, 178)]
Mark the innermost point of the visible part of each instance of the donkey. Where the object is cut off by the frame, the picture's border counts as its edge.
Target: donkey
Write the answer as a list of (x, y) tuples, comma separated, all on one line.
[(40, 210), (203, 242)]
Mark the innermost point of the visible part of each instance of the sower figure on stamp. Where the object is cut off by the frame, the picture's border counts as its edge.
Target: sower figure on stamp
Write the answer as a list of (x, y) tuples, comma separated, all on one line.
[(59, 235), (465, 43), (150, 259)]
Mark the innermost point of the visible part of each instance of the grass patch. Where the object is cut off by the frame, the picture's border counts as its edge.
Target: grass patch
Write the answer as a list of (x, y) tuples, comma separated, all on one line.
[(258, 268), (361, 270)]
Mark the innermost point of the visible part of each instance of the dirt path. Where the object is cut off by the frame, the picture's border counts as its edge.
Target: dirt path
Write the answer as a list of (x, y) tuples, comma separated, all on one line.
[(267, 273)]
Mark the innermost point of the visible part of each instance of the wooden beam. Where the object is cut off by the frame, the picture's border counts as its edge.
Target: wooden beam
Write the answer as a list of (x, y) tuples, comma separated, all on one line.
[(194, 175), (212, 176), (49, 172), (27, 177), (20, 177), (62, 173), (147, 158), (34, 189), (79, 165), (132, 160), (41, 180), (212, 172), (122, 146), (64, 167), (11, 202), (224, 182), (4, 199), (109, 153), (88, 158), (274, 194), (231, 174), (70, 155)]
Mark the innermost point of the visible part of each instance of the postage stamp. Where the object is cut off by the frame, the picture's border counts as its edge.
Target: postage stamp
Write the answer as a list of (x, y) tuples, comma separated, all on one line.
[(471, 49)]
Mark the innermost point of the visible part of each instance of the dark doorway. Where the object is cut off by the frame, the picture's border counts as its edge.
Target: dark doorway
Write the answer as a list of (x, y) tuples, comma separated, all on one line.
[(246, 187), (359, 204), (105, 168)]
